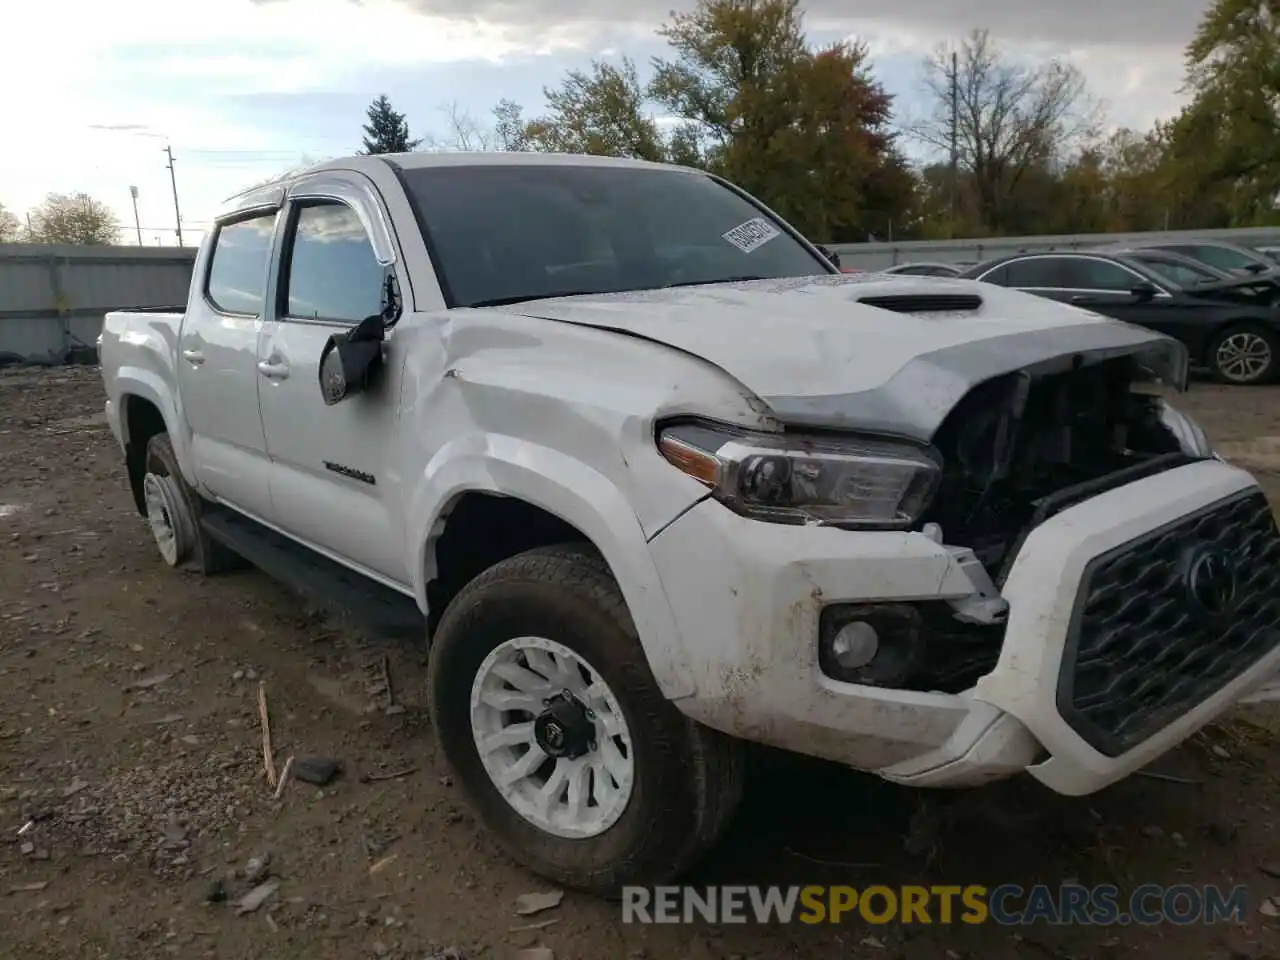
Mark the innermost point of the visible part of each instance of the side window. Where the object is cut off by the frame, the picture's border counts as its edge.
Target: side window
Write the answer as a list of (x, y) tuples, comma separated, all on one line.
[(1084, 274), (1180, 273), (238, 266), (1034, 272), (333, 273), (998, 276)]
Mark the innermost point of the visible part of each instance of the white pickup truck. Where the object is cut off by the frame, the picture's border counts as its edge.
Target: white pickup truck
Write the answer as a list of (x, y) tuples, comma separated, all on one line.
[(655, 479)]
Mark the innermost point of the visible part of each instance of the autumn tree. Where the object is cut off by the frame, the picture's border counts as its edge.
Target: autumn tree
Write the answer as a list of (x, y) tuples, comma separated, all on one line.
[(1005, 119), (602, 111), (806, 130), (387, 130), (10, 228), (74, 219)]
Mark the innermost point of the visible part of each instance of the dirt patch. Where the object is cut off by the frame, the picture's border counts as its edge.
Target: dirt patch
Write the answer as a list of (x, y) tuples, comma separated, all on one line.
[(130, 762)]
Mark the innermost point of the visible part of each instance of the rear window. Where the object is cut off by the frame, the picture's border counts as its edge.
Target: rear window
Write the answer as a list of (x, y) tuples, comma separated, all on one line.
[(506, 233), (238, 266)]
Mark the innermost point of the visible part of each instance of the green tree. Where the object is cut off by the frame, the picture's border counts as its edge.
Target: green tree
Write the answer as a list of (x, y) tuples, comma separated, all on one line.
[(10, 228), (73, 218), (1008, 121), (1226, 144), (387, 130), (509, 126), (602, 111)]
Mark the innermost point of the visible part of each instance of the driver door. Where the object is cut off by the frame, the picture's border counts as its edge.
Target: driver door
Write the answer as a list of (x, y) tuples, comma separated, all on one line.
[(333, 468)]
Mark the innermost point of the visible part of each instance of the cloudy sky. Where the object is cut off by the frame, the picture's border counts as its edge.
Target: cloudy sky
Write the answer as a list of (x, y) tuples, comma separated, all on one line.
[(247, 89)]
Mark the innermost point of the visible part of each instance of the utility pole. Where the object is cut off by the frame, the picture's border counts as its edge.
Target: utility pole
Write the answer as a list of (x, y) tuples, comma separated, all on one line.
[(177, 215), (137, 224), (955, 142)]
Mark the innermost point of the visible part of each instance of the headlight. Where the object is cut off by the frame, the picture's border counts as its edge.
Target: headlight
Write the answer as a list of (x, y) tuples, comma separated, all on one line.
[(1188, 433), (788, 478)]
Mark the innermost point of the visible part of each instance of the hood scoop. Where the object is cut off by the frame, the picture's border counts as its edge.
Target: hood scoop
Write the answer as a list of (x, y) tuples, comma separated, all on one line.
[(925, 302)]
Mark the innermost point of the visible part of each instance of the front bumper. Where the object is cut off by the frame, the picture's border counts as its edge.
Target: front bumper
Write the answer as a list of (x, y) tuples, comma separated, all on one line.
[(747, 598)]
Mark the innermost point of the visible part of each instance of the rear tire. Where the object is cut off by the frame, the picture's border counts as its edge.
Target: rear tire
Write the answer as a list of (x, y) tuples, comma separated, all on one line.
[(1245, 354), (663, 788), (173, 513)]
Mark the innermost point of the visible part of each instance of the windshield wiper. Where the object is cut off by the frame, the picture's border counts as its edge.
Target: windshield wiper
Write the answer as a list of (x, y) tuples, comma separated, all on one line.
[(702, 283), (525, 297)]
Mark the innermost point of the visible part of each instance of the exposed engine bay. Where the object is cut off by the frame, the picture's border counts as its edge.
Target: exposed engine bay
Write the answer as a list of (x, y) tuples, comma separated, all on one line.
[(1017, 450), (1020, 448)]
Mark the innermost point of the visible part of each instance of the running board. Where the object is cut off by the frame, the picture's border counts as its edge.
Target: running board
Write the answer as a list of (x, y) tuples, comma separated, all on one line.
[(387, 612)]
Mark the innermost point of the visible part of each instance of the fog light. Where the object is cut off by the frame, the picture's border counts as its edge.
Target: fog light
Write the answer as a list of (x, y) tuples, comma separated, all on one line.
[(855, 645), (877, 644)]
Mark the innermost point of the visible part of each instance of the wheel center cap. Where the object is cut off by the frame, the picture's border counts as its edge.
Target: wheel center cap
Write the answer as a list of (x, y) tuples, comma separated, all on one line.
[(564, 728)]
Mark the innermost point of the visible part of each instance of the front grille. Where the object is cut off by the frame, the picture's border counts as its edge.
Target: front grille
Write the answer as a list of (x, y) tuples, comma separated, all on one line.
[(1142, 650)]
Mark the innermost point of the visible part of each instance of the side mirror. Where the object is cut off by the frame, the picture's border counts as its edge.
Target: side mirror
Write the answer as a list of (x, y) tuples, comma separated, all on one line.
[(1256, 268), (348, 360), (1143, 291), (829, 254)]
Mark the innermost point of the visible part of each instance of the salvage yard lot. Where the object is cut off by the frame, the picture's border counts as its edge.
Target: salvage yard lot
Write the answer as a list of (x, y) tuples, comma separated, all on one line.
[(129, 738)]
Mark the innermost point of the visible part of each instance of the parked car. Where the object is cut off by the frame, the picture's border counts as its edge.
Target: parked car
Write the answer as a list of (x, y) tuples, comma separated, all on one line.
[(659, 480), (1231, 326), (926, 269), (1220, 254), (1175, 267)]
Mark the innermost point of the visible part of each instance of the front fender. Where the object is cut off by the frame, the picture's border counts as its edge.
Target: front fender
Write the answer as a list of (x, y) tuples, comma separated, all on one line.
[(147, 385), (578, 495)]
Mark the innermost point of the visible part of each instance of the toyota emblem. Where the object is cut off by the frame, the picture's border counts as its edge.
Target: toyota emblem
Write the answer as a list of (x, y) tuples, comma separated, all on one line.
[(1211, 581)]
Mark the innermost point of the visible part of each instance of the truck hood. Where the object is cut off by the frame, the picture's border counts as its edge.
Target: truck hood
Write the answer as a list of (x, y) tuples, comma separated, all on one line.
[(818, 355)]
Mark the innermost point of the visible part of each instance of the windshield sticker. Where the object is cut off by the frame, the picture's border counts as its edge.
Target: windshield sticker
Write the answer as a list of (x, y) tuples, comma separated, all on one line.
[(752, 234)]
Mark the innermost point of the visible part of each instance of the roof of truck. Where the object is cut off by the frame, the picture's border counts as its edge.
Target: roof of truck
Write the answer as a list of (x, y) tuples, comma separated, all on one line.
[(419, 159)]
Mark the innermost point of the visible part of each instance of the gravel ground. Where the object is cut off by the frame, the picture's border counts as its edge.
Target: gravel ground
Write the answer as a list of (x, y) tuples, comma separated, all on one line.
[(130, 752)]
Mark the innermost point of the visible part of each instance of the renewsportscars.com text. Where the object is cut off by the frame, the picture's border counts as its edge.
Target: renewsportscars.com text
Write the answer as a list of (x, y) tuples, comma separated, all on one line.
[(1007, 905)]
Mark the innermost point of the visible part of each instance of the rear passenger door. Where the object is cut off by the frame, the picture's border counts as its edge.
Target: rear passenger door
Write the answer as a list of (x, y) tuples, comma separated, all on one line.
[(217, 353), (335, 477)]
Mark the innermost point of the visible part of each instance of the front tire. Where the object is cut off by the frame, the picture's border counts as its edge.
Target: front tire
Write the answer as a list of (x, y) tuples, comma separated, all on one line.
[(548, 713), (1245, 354)]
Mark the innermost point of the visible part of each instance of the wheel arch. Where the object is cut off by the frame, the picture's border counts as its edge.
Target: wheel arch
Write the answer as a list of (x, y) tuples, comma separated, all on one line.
[(142, 416), (542, 496)]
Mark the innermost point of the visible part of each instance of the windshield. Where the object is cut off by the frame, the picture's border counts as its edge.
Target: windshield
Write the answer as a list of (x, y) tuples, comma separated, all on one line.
[(506, 233), (1183, 274), (1224, 258)]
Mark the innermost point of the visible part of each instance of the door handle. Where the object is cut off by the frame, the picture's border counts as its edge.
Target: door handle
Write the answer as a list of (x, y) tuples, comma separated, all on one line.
[(273, 369), (193, 357)]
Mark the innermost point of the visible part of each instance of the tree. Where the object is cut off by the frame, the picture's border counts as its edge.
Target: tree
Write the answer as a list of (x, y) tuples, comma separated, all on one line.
[(73, 218), (1227, 142), (10, 228), (729, 57), (806, 130), (509, 126), (1009, 119), (387, 130), (599, 112)]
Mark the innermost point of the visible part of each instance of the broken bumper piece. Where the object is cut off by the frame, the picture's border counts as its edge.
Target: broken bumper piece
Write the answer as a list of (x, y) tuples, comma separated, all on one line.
[(1107, 658)]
